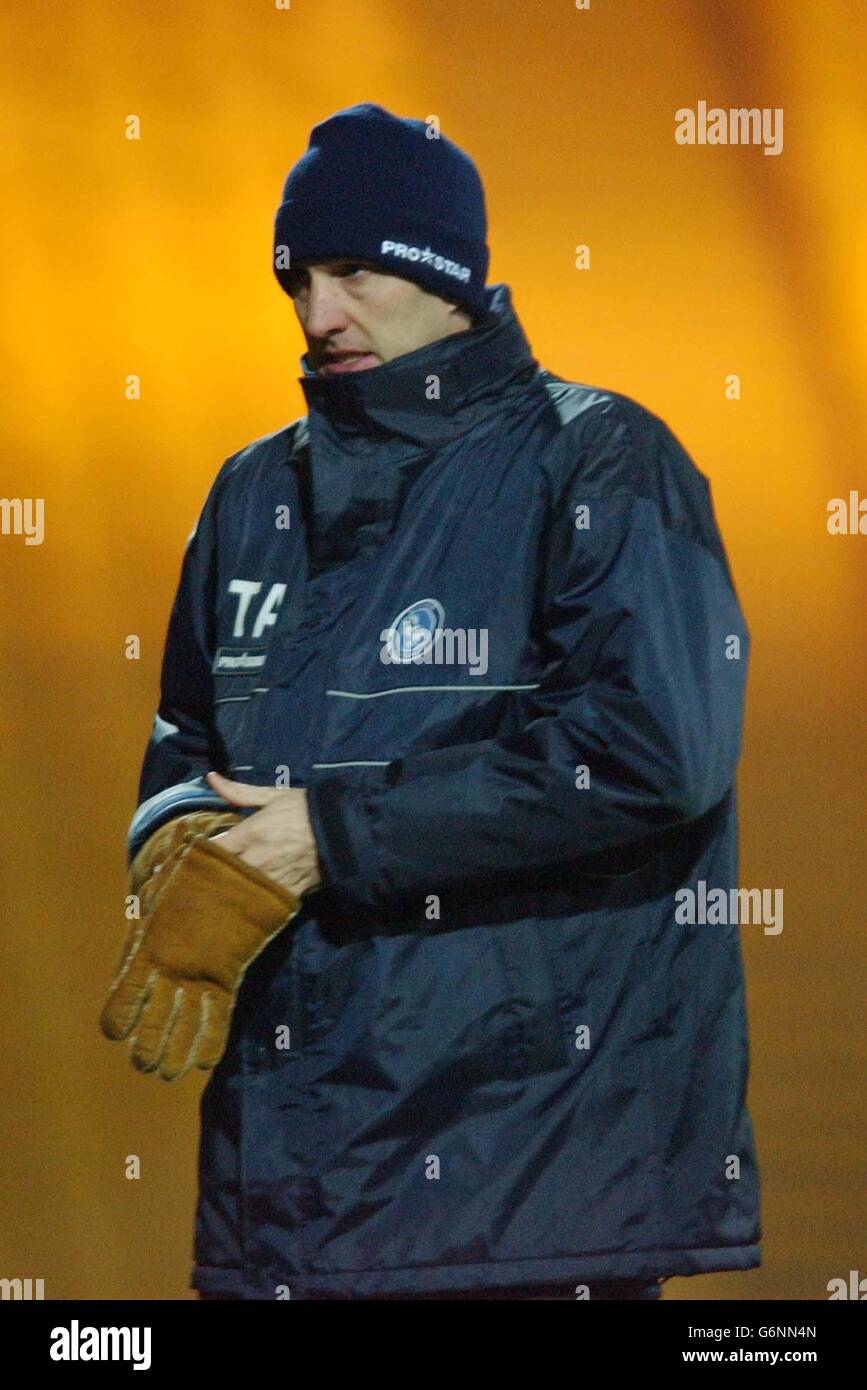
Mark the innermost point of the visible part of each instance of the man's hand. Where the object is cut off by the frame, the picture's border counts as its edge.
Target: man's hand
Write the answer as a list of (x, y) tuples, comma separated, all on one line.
[(278, 840)]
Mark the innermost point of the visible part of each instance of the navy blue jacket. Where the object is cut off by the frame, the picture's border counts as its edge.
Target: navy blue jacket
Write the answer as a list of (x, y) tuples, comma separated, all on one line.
[(485, 616)]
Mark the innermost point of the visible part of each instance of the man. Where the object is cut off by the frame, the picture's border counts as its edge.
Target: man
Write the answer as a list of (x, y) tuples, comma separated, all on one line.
[(451, 711)]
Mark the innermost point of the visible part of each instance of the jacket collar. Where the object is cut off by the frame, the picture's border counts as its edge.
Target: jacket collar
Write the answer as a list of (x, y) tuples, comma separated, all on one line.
[(476, 369)]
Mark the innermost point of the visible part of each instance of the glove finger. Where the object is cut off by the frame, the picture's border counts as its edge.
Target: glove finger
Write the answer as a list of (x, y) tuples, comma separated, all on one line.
[(179, 1055), (127, 995), (147, 1043), (151, 888), (216, 1013)]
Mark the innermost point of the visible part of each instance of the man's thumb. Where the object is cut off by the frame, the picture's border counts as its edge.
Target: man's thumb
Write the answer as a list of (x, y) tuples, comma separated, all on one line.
[(240, 793)]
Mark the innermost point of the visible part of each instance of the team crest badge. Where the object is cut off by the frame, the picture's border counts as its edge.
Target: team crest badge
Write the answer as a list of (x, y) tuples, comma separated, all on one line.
[(414, 631)]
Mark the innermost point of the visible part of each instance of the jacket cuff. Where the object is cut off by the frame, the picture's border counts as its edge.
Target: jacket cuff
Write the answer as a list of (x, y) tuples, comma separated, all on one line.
[(166, 805), (341, 813)]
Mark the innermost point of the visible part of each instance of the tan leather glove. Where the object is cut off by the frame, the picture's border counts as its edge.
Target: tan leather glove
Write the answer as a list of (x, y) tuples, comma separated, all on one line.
[(166, 843), (184, 961)]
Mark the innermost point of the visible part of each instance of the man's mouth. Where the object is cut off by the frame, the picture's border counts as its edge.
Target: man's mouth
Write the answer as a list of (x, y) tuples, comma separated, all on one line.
[(347, 360)]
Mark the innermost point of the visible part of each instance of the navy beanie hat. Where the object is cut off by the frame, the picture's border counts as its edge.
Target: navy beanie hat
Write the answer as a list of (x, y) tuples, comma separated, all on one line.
[(387, 190)]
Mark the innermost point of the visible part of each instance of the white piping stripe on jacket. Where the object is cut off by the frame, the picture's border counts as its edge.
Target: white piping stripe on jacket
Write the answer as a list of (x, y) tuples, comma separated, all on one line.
[(406, 689), (354, 762)]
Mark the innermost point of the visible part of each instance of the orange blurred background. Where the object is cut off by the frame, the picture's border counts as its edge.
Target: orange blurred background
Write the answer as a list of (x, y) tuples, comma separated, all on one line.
[(153, 257)]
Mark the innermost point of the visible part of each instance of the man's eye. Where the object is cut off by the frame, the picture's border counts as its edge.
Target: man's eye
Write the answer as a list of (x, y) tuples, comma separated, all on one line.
[(352, 270)]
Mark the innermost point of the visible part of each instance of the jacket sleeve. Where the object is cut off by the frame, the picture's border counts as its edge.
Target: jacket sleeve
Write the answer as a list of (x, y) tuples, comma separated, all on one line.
[(179, 751), (643, 687)]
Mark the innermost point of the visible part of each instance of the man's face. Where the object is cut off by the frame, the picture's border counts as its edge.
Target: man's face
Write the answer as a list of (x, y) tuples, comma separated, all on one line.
[(356, 316)]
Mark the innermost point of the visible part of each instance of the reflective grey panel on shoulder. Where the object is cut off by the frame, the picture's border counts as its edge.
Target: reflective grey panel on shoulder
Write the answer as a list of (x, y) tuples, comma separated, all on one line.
[(274, 445), (570, 398)]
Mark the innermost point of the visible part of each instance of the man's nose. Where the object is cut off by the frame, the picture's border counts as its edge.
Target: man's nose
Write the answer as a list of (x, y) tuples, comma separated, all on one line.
[(324, 312)]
